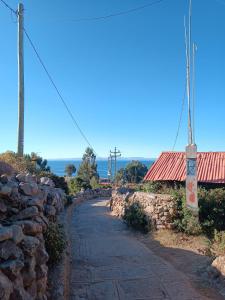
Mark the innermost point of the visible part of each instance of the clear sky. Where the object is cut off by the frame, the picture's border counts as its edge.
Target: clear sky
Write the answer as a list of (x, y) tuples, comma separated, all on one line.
[(122, 77)]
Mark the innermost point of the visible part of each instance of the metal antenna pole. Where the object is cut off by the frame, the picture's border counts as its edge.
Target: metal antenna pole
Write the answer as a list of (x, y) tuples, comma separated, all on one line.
[(20, 148)]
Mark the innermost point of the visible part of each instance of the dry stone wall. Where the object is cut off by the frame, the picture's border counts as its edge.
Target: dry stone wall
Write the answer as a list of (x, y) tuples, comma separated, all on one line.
[(26, 207), (158, 207)]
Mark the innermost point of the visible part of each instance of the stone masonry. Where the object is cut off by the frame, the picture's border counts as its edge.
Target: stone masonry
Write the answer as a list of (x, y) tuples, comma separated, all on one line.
[(159, 208), (26, 207)]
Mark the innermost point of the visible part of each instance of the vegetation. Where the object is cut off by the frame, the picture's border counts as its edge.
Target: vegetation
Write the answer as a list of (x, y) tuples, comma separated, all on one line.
[(76, 184), (134, 172), (55, 242), (31, 163), (70, 170), (88, 168), (135, 217)]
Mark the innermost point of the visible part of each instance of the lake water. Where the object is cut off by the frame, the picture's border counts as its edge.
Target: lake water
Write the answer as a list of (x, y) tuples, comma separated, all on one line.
[(58, 166)]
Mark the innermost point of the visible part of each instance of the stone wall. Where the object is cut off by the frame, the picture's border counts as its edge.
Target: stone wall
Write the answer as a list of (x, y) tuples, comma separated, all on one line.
[(158, 207), (26, 207), (92, 194)]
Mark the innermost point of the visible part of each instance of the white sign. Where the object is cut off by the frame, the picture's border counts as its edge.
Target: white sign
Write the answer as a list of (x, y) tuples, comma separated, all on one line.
[(191, 177)]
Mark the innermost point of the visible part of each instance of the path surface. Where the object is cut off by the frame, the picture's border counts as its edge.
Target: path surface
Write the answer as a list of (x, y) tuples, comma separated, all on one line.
[(110, 263)]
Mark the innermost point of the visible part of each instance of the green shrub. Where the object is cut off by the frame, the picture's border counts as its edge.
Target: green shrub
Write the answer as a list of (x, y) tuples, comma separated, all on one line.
[(76, 184), (59, 181), (94, 183), (185, 220), (135, 217), (218, 245), (55, 242), (212, 209)]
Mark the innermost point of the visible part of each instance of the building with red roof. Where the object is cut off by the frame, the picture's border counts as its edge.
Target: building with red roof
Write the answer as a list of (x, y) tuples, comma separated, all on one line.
[(171, 166)]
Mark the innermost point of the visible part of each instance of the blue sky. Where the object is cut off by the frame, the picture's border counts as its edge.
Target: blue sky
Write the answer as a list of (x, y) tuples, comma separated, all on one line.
[(123, 77)]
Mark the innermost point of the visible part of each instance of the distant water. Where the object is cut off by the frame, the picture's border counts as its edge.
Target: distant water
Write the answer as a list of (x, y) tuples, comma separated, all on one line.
[(58, 166)]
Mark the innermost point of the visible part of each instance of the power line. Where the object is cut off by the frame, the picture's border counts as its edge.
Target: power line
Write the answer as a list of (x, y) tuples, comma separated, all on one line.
[(180, 118), (132, 10), (57, 90), (10, 8)]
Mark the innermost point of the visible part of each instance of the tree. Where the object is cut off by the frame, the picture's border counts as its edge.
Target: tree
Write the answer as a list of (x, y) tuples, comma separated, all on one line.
[(88, 166), (133, 173), (70, 169)]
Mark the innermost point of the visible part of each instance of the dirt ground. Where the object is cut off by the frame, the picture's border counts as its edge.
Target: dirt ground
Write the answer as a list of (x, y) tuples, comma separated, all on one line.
[(189, 255)]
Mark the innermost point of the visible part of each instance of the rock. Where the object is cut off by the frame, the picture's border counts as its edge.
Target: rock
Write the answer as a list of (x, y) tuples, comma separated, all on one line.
[(6, 233), (47, 181), (29, 189), (41, 285), (41, 271), (6, 287), (17, 234), (28, 178), (9, 250), (5, 190), (28, 272), (4, 179), (36, 201), (21, 177), (3, 207), (19, 293), (26, 213), (30, 244), (11, 268), (50, 210), (32, 290), (219, 264), (30, 227), (41, 256)]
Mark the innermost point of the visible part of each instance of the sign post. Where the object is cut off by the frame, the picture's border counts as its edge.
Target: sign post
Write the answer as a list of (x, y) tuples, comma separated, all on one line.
[(191, 178)]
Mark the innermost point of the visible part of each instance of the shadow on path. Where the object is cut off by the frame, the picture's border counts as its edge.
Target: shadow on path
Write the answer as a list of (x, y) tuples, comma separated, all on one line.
[(110, 262)]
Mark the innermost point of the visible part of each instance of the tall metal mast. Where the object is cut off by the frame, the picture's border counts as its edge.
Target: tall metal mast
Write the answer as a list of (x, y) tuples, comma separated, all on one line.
[(20, 146)]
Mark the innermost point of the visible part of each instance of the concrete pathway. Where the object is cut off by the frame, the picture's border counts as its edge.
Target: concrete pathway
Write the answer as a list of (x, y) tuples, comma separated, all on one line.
[(109, 263)]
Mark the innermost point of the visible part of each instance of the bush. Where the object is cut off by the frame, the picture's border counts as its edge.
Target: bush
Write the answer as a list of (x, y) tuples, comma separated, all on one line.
[(59, 181), (135, 217), (76, 184), (212, 209), (55, 242), (218, 245)]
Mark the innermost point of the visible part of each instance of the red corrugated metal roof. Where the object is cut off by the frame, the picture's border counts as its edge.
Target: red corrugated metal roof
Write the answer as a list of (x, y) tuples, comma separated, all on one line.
[(172, 166)]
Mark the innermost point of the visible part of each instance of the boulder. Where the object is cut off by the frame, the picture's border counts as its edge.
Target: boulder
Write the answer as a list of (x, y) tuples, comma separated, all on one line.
[(30, 227), (19, 293), (219, 264), (6, 287), (28, 272), (29, 189), (17, 234), (11, 268), (36, 201), (30, 244), (41, 256), (27, 213), (5, 190), (41, 271), (50, 210), (47, 181), (3, 207), (9, 250), (6, 233), (4, 179)]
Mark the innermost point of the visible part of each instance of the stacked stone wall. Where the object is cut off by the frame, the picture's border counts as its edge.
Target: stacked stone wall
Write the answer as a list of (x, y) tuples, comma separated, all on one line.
[(26, 207), (159, 208)]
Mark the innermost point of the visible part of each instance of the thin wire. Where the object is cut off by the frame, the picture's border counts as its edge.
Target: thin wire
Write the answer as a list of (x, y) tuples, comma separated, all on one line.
[(10, 8), (180, 118), (117, 14), (57, 90)]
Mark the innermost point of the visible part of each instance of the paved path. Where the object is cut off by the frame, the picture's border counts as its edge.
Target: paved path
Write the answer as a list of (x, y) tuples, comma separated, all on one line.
[(109, 263)]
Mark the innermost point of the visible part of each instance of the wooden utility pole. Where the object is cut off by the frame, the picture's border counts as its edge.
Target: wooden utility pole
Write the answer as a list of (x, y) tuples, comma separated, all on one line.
[(20, 147), (191, 149), (114, 154)]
